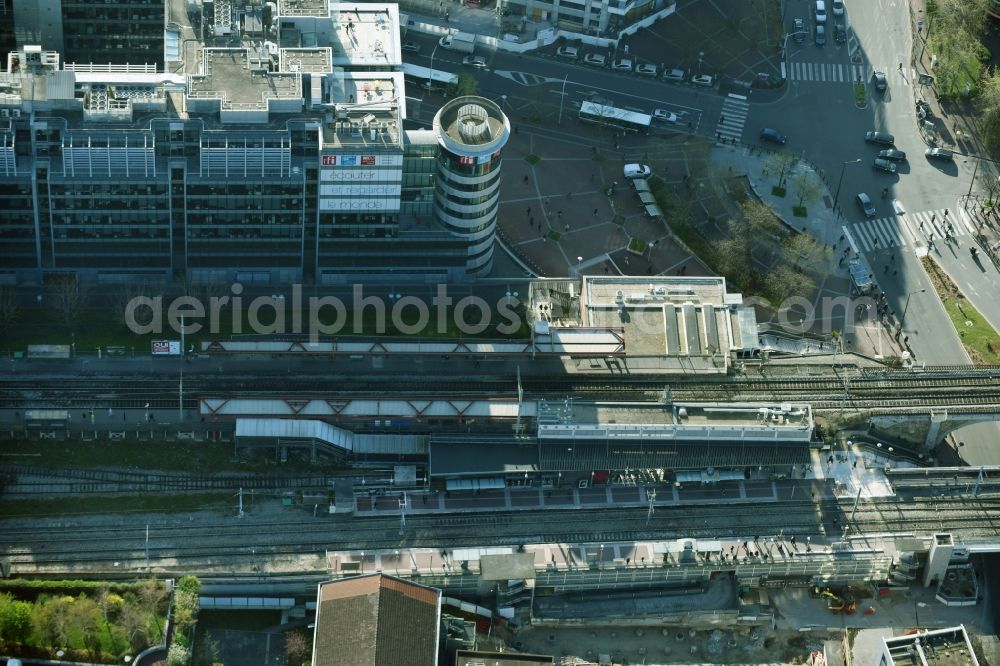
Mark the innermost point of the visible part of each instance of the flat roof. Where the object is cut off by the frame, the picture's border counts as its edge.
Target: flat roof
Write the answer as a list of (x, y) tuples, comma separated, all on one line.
[(939, 647), (773, 415), (562, 456), (314, 60), (227, 74), (482, 456), (480, 658)]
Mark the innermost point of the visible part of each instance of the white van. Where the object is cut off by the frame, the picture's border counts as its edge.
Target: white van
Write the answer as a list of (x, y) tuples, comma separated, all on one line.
[(820, 11), (637, 171)]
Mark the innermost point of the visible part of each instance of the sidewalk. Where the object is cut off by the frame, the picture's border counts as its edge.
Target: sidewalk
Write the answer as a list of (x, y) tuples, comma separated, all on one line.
[(823, 224)]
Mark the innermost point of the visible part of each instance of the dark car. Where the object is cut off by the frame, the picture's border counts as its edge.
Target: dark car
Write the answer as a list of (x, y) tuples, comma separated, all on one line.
[(840, 33), (772, 135), (884, 165), (865, 204), (884, 138), (938, 154), (880, 81), (799, 30), (892, 154), (820, 35)]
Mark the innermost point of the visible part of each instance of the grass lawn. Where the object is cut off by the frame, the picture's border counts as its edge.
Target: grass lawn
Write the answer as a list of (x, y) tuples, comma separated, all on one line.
[(980, 339), (532, 159), (116, 504), (182, 457), (99, 327), (859, 94), (637, 246)]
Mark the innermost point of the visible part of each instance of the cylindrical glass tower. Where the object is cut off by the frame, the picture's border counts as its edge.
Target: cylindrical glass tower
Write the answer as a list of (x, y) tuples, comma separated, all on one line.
[(472, 132)]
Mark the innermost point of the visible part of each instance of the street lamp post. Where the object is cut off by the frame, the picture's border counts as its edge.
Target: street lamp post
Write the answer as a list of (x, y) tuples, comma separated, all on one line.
[(840, 181), (430, 74), (907, 304), (562, 98)]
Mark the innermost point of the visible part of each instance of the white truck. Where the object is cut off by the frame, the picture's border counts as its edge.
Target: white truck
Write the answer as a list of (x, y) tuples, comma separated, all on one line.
[(459, 41)]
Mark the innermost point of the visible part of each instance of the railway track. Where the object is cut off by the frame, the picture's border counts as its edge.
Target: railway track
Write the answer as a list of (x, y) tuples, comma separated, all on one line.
[(30, 480), (889, 389), (174, 542)]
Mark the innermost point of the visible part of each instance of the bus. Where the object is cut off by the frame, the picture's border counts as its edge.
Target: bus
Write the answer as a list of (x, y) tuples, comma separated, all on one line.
[(609, 116), (428, 78)]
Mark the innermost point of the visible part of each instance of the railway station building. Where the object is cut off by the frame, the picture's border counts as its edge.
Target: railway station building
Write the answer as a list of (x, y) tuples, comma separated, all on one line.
[(257, 151)]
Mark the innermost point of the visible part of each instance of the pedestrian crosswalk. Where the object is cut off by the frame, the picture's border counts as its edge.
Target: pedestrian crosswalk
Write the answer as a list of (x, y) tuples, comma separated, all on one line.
[(824, 72), (733, 118), (911, 229)]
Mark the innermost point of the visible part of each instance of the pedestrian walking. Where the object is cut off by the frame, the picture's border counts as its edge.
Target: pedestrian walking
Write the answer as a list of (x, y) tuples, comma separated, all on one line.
[(886, 269), (525, 179), (892, 259), (841, 239), (595, 212), (946, 213), (529, 210)]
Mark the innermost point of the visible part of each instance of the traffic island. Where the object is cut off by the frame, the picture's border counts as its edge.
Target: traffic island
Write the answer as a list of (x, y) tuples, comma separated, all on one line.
[(980, 339), (860, 95)]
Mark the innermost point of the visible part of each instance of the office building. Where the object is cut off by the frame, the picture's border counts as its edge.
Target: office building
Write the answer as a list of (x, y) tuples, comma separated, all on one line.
[(277, 159), (85, 31)]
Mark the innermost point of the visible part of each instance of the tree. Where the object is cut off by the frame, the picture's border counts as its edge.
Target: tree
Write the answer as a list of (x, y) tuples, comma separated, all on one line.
[(989, 107), (15, 619), (784, 281), (50, 620), (123, 296), (467, 85), (806, 188), (802, 249), (10, 308), (297, 648), (760, 218), (67, 299), (781, 164), (134, 622), (178, 655), (84, 618)]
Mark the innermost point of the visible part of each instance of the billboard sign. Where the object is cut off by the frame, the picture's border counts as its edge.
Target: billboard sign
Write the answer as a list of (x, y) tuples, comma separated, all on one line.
[(166, 347)]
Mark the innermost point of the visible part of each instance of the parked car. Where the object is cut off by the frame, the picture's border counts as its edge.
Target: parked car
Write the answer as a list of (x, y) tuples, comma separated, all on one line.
[(479, 62), (675, 75), (622, 65), (938, 154), (881, 83), (892, 154), (595, 59), (799, 31), (838, 7), (702, 80), (410, 47), (772, 135), (637, 171), (646, 69), (839, 33), (884, 138), (820, 11), (569, 52), (820, 35), (664, 116), (884, 165), (866, 205)]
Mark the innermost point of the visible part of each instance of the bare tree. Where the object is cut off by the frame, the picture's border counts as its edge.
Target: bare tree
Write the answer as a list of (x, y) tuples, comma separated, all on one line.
[(780, 164), (67, 299), (806, 188), (123, 296), (760, 218), (297, 648), (10, 308)]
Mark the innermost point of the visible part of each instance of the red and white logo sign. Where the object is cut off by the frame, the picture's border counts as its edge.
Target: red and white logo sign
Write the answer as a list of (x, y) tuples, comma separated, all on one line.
[(329, 160), (367, 160)]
